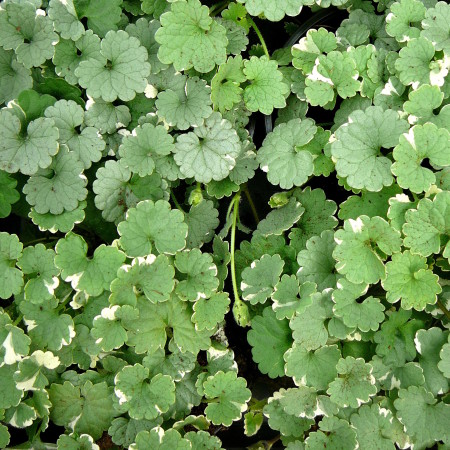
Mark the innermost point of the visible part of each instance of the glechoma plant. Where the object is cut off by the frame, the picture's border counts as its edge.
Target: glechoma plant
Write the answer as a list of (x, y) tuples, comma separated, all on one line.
[(132, 253)]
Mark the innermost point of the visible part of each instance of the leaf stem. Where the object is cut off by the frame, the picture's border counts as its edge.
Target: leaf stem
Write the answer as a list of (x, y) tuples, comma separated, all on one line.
[(175, 201), (251, 203), (240, 309), (260, 36), (18, 320), (218, 8), (443, 309), (64, 301), (43, 239)]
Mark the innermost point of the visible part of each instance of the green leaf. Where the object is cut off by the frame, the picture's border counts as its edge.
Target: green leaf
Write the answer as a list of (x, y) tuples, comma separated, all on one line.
[(187, 106), (266, 90), (317, 263), (140, 150), (85, 274), (310, 47), (444, 363), (225, 86), (144, 397), (88, 145), (26, 150), (229, 396), (210, 151), (403, 14), (149, 331), (152, 276), (123, 431), (374, 428), (415, 64), (209, 312), (32, 370), (409, 279), (299, 402), (360, 243), (318, 216), (333, 72), (424, 419), (333, 433), (281, 156), (354, 385), (10, 393), (65, 19), (29, 34), (365, 314), (159, 439), (190, 38), (308, 324), (281, 219), (145, 31), (425, 225), (369, 204), (259, 280), (63, 222), (73, 442), (121, 70), (69, 54), (429, 344), (46, 327), (8, 194), (358, 144), (107, 328), (271, 11), (38, 263), (395, 339), (270, 338), (422, 142), (287, 424), (422, 104), (435, 26), (152, 223), (58, 188), (12, 278), (87, 410), (202, 219), (102, 15), (198, 275), (14, 77), (15, 344)]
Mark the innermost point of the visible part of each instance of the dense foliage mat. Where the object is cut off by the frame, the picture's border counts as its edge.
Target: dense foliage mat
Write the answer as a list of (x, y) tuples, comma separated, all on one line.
[(174, 277)]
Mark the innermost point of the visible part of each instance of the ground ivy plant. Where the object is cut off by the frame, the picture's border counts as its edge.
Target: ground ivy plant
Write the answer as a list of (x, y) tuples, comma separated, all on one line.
[(132, 136)]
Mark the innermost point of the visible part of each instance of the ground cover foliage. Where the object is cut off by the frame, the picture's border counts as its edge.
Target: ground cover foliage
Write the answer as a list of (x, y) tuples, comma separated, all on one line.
[(146, 292)]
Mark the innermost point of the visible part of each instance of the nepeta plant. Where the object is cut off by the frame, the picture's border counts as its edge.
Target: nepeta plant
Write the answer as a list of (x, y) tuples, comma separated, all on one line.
[(131, 140)]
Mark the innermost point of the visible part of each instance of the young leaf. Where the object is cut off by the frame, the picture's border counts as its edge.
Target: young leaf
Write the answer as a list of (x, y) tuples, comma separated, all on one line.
[(120, 72), (12, 278), (358, 248), (267, 89), (355, 385), (153, 223), (270, 339), (358, 144), (230, 396), (144, 397), (210, 151), (409, 279), (190, 38), (259, 280)]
